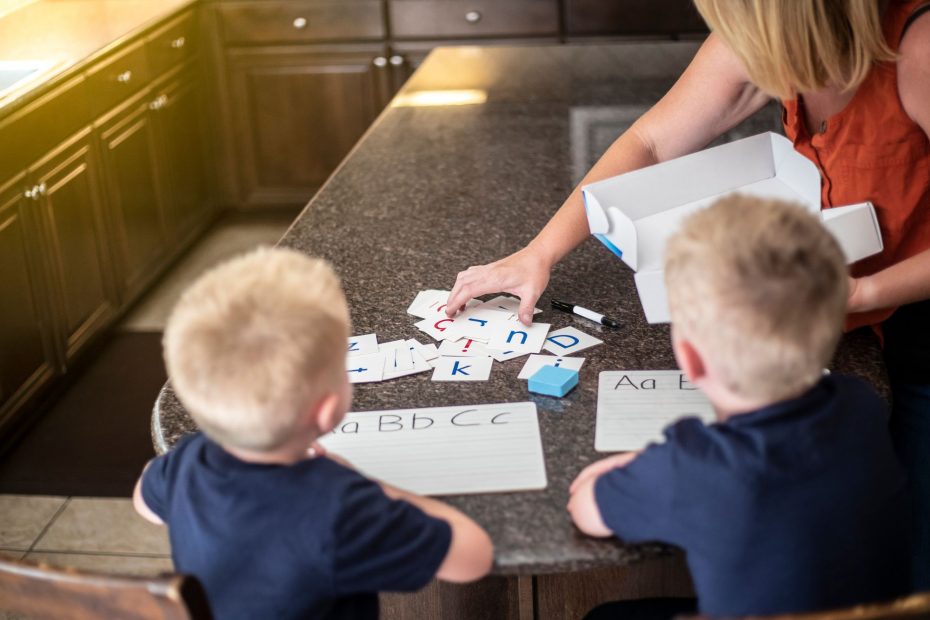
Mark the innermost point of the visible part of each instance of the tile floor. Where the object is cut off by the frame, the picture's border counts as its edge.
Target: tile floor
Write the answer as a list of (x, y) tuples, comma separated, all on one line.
[(106, 534)]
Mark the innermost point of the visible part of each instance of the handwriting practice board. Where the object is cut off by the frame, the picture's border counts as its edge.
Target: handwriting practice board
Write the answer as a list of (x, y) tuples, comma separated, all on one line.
[(634, 406), (446, 450)]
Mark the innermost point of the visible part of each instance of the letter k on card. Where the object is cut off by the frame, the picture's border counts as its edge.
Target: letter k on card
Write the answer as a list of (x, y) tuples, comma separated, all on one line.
[(463, 369)]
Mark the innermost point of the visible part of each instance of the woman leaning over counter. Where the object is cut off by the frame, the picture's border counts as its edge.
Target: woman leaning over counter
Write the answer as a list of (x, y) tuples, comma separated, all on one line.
[(854, 79)]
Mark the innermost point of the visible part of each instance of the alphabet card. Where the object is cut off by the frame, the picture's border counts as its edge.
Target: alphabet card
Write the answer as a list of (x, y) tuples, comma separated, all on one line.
[(363, 345), (463, 348), (535, 362), (569, 340), (365, 368), (476, 323), (462, 369), (635, 406), (446, 450), (515, 336), (506, 303)]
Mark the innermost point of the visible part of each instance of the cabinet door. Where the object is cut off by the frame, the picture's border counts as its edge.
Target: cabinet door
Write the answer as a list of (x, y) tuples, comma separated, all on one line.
[(297, 113), (179, 121), (134, 201), (75, 246), (27, 358)]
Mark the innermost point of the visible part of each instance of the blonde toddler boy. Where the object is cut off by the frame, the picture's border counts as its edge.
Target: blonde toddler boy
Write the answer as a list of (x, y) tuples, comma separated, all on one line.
[(793, 500), (255, 351)]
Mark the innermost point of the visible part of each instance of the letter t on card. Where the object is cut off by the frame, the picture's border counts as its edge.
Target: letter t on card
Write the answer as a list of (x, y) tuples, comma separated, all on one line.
[(515, 336)]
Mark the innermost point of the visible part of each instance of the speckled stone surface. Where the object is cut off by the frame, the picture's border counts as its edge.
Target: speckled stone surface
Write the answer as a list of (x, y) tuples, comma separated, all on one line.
[(430, 191)]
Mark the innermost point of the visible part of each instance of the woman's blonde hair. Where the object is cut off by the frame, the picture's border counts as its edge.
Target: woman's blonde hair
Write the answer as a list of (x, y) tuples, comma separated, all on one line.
[(795, 46)]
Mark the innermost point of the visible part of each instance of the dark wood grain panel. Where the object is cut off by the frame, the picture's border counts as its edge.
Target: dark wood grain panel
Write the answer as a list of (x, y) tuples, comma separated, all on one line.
[(118, 78), (632, 18), (301, 22), (431, 19), (299, 112), (27, 357), (173, 44), (75, 246)]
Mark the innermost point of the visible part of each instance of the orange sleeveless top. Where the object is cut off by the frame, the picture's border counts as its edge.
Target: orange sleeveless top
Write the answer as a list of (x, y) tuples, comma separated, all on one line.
[(872, 150)]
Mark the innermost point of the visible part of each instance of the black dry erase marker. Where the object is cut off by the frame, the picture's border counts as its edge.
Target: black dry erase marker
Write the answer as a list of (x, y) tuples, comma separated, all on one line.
[(588, 314)]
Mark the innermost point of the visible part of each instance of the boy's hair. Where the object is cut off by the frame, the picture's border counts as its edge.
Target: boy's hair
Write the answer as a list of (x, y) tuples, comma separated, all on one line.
[(792, 46), (254, 342), (760, 287)]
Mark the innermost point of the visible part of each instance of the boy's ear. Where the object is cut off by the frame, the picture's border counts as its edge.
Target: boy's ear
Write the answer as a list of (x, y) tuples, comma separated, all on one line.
[(326, 412), (689, 359)]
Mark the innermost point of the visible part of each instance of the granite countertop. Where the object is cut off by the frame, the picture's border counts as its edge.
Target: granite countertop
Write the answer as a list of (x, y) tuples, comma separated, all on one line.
[(432, 190), (66, 34)]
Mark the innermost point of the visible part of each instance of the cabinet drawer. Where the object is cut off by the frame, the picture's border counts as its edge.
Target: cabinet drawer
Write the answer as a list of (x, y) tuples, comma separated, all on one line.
[(430, 19), (116, 79), (295, 22), (172, 45)]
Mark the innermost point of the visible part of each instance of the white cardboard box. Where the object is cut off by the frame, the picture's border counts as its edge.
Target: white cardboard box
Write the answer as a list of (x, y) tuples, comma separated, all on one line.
[(635, 213)]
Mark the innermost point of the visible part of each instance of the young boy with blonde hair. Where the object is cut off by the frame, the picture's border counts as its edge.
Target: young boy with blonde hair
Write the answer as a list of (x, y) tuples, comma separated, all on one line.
[(255, 351), (793, 500)]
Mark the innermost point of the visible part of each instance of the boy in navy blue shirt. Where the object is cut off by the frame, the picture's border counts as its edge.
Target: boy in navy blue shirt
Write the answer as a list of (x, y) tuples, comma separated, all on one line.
[(793, 500), (255, 350)]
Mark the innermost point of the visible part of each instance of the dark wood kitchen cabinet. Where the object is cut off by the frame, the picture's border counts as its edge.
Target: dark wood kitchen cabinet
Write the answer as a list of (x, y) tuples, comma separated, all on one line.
[(102, 184), (298, 112), (134, 198), (300, 82), (632, 18), (73, 236), (28, 360)]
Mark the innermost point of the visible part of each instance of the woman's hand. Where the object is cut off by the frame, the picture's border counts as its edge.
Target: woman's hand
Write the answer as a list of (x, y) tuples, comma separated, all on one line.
[(524, 273)]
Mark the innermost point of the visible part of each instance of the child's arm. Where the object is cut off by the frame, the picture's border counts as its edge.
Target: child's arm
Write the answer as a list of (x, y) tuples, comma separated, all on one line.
[(139, 504), (471, 552), (582, 505)]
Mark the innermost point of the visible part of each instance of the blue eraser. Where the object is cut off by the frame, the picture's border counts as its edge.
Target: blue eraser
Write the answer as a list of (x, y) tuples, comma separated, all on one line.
[(553, 381)]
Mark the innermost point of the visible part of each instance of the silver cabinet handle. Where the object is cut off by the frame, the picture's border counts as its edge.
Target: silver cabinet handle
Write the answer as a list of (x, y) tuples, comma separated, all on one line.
[(300, 23), (159, 102), (35, 191), (473, 17), (178, 43), (124, 77), (380, 61), (397, 60)]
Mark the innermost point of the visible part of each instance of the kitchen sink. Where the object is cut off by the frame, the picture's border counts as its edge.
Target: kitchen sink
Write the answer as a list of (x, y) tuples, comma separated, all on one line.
[(16, 72)]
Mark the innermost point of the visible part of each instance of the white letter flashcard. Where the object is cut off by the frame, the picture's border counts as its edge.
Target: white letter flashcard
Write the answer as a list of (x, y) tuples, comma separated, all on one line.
[(463, 369), (365, 368), (476, 323), (463, 348), (419, 365), (363, 345), (503, 356), (515, 336), (569, 340), (434, 328), (428, 351), (535, 362), (397, 355), (423, 304), (505, 303)]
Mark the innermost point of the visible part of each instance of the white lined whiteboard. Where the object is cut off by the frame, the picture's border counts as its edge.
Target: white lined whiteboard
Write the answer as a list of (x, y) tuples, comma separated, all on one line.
[(446, 450), (634, 406)]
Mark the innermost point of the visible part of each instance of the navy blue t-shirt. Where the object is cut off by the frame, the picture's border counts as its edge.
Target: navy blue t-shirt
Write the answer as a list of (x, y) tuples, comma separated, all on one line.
[(799, 506), (309, 540)]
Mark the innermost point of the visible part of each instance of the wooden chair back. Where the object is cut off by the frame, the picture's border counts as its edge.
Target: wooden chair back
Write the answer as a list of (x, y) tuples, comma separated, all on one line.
[(915, 607), (41, 591)]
